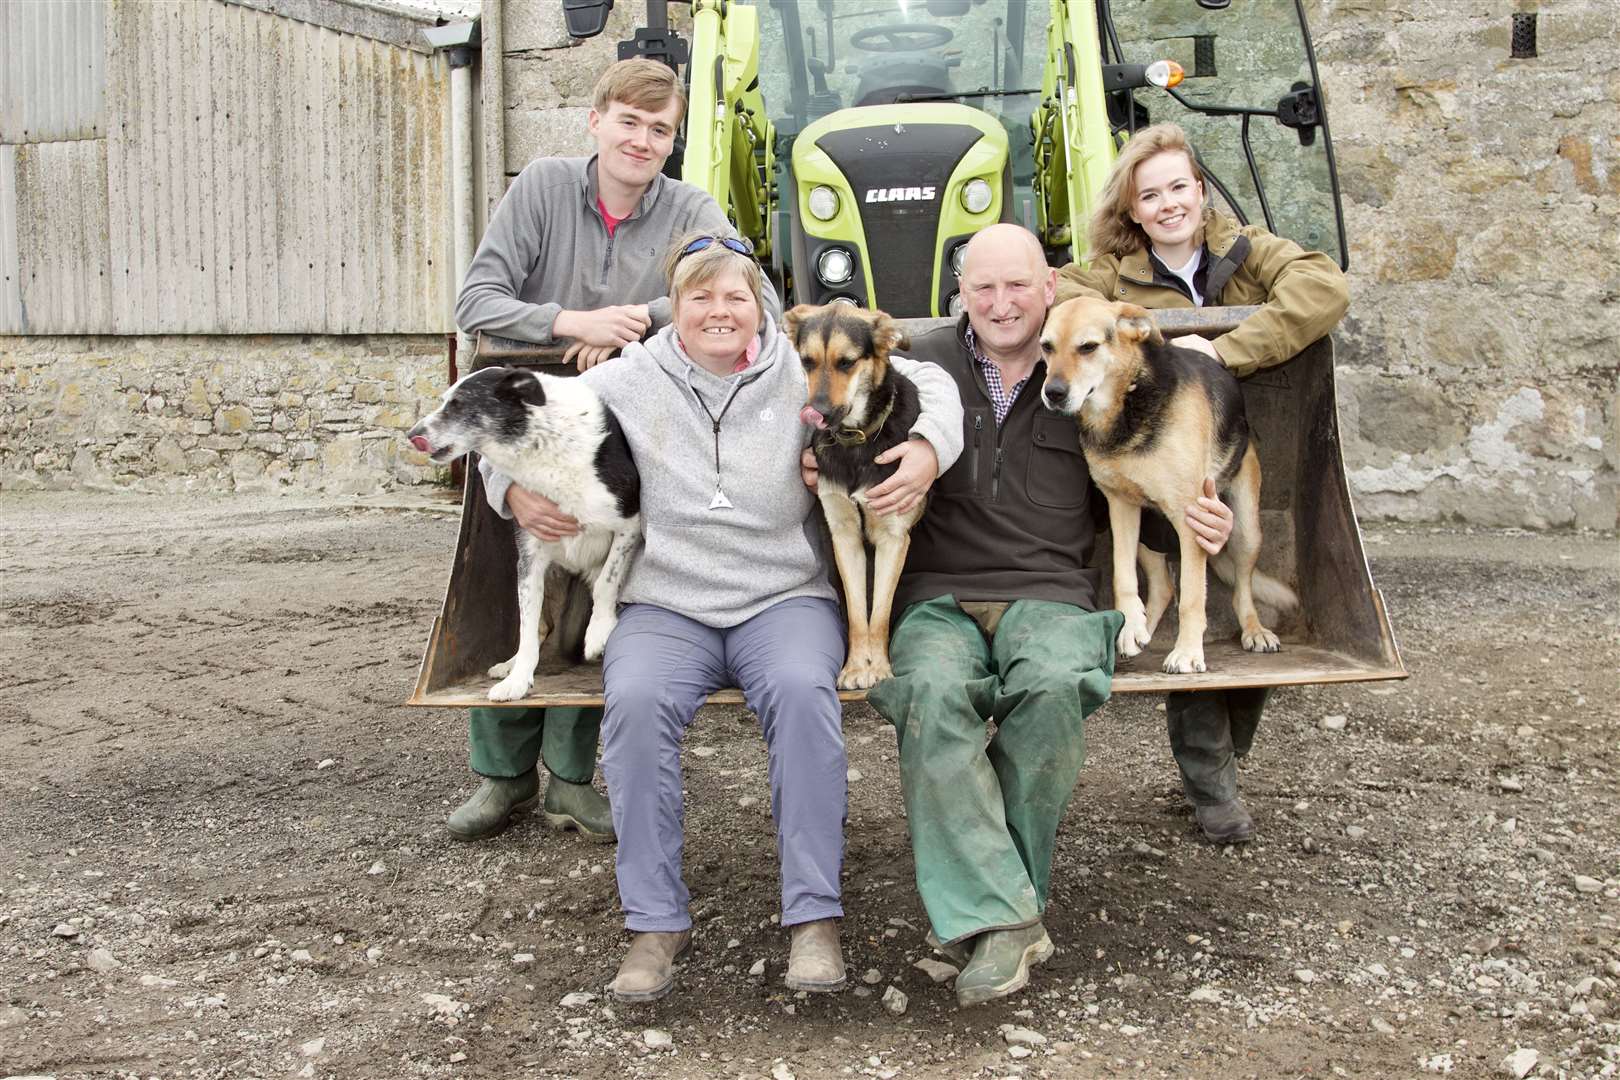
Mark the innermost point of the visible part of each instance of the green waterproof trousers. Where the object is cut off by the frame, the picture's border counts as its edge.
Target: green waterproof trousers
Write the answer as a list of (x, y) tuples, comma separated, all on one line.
[(1209, 731), (506, 743), (984, 811)]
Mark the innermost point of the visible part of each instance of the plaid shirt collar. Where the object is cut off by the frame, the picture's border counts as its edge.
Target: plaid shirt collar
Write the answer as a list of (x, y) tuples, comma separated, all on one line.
[(1001, 398)]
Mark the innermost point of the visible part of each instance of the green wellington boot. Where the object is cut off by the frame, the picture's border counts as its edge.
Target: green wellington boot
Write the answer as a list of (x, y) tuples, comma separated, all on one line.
[(1001, 963), (490, 808), (579, 807)]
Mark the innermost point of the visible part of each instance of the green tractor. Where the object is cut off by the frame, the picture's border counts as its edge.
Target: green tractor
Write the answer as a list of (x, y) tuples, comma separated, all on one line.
[(860, 143)]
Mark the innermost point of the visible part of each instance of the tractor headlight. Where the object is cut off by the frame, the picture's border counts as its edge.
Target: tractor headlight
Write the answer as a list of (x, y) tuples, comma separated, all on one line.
[(958, 254), (977, 195), (953, 305), (847, 300), (823, 202), (835, 266)]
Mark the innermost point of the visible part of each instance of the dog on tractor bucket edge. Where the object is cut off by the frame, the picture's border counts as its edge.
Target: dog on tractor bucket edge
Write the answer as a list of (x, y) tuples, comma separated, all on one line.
[(859, 407), (554, 437), (1155, 420)]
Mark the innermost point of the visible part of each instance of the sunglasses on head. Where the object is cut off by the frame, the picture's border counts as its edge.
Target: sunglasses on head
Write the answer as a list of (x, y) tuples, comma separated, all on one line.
[(741, 247)]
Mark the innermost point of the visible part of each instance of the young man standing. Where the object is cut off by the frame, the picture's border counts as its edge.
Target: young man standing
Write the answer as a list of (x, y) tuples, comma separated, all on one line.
[(575, 253)]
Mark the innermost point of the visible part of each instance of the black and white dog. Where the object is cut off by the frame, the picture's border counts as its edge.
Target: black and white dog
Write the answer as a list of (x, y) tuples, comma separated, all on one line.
[(555, 437)]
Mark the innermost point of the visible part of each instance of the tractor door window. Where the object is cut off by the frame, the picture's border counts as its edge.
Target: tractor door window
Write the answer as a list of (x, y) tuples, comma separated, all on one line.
[(1242, 62)]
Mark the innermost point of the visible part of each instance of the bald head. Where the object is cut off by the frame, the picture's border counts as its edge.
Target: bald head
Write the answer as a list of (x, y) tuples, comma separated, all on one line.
[(1004, 242), (1006, 289)]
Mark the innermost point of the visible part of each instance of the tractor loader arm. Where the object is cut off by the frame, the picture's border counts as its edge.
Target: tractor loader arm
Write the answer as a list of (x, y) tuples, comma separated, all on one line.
[(729, 138), (1074, 146)]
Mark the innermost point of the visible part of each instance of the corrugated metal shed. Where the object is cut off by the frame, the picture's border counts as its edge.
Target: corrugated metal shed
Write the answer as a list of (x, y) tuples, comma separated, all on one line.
[(53, 77), (259, 175)]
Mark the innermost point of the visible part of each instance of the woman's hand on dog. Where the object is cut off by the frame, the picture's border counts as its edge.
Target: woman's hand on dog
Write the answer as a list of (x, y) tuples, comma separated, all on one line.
[(809, 469), (1210, 519), (919, 467), (1197, 344), (539, 515)]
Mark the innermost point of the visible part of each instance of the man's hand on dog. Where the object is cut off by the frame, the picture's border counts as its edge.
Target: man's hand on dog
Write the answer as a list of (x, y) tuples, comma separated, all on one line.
[(919, 467), (615, 326), (539, 515), (1210, 519)]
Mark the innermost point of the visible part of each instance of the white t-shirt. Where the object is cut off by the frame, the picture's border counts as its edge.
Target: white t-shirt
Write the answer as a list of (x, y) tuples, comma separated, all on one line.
[(1185, 273)]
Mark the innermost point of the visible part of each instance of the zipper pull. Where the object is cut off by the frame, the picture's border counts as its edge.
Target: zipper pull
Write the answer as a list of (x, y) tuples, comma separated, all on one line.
[(995, 474)]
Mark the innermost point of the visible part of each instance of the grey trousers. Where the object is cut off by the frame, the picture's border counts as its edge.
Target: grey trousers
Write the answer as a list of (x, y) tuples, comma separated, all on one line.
[(656, 671), (1209, 731)]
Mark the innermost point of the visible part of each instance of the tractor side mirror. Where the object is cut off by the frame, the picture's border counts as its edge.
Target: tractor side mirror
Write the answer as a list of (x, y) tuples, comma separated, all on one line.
[(586, 18)]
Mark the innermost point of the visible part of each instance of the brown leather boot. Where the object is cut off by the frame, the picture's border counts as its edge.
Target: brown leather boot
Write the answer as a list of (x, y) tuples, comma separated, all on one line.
[(647, 972), (815, 960)]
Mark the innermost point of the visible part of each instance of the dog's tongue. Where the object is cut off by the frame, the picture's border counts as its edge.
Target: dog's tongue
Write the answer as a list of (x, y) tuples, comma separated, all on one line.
[(809, 416), (421, 444)]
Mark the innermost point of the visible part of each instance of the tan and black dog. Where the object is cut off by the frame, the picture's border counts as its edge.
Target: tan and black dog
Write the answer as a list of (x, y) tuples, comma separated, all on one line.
[(860, 406), (1155, 420)]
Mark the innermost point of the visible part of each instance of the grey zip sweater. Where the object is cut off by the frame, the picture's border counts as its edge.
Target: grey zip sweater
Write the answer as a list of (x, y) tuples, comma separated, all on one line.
[(547, 249), (723, 566)]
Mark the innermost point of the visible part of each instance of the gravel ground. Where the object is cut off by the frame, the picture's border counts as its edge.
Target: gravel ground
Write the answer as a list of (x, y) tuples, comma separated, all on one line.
[(222, 851)]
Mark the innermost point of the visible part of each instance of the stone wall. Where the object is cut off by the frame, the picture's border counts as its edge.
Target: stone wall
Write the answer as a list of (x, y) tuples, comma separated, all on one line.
[(216, 413), (1478, 365)]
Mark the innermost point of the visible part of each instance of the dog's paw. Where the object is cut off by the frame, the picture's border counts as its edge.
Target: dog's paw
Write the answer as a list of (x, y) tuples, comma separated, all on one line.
[(597, 634), (512, 687), (864, 672), (1184, 661), (502, 669), (1133, 637), (1262, 640)]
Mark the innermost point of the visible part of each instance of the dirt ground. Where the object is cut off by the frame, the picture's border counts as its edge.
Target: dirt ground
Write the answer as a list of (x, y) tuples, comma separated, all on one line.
[(222, 852)]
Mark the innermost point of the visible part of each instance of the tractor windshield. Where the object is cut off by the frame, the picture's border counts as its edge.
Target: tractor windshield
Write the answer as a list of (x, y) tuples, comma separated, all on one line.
[(819, 56)]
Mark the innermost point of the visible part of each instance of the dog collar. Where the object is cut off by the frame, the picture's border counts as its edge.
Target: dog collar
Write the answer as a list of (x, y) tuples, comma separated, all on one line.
[(854, 436)]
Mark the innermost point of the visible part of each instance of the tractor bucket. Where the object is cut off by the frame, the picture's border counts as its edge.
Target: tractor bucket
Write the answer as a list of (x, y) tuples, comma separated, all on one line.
[(1340, 633)]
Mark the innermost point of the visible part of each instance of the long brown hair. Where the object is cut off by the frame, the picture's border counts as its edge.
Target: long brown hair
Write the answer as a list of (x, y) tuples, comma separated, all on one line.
[(1112, 230)]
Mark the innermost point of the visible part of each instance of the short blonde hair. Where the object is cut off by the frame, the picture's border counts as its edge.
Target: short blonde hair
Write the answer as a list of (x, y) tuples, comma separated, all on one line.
[(688, 272), (1112, 230), (641, 84)]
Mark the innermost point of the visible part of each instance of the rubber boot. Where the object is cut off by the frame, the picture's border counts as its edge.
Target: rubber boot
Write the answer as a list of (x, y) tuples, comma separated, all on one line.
[(1226, 823), (489, 809), (579, 807), (1001, 963)]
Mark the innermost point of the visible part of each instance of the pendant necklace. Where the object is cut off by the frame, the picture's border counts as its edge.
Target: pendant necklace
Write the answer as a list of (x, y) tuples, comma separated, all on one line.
[(719, 502)]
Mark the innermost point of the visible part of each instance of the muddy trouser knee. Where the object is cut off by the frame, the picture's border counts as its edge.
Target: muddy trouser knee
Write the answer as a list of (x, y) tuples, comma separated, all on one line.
[(984, 817), (658, 668), (509, 742), (1209, 731)]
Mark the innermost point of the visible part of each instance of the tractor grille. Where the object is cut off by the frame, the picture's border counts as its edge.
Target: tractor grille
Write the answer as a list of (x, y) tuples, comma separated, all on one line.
[(902, 232)]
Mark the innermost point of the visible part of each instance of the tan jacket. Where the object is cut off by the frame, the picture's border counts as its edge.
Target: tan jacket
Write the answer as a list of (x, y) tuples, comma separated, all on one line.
[(1303, 294)]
